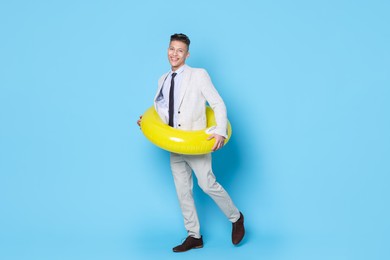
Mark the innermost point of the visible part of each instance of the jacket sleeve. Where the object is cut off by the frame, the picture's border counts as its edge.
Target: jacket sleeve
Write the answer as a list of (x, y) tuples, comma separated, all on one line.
[(216, 103)]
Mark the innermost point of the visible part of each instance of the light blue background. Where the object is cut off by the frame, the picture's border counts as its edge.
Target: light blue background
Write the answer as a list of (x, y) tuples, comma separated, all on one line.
[(307, 88)]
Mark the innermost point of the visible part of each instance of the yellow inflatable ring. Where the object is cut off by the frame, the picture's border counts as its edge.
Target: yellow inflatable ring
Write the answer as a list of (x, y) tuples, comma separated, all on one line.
[(176, 140)]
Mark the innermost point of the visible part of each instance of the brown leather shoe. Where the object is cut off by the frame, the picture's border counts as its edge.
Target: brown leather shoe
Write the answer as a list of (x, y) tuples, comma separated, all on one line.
[(188, 244), (238, 230)]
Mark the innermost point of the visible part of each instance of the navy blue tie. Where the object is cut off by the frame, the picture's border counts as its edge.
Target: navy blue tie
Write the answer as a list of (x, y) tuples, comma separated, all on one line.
[(172, 99)]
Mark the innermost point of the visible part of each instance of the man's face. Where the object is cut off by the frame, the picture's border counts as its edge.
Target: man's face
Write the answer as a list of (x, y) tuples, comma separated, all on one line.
[(177, 54)]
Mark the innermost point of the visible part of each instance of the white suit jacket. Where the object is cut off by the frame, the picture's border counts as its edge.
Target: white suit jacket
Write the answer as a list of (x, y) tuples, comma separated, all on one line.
[(196, 89)]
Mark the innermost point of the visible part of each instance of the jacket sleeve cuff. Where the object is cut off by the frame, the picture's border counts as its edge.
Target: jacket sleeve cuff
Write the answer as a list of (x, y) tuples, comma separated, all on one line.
[(221, 131)]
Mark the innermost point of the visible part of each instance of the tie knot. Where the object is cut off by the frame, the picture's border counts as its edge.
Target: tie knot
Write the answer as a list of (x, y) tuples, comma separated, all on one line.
[(174, 75)]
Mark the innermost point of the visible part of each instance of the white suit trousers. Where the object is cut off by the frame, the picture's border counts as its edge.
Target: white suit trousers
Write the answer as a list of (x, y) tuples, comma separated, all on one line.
[(182, 167)]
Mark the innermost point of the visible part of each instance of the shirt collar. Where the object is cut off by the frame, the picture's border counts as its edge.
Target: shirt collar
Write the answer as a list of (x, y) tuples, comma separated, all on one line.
[(180, 70)]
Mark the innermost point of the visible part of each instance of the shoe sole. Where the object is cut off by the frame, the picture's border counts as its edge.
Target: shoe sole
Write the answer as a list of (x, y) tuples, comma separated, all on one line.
[(196, 247)]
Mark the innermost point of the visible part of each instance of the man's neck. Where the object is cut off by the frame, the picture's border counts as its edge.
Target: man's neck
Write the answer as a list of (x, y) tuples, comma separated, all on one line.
[(176, 69)]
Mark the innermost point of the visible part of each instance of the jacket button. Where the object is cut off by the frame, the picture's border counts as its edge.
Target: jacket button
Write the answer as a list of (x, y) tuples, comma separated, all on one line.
[(179, 125), (178, 112)]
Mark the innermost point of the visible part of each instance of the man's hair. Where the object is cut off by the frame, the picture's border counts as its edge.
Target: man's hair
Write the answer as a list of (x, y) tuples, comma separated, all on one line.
[(181, 38)]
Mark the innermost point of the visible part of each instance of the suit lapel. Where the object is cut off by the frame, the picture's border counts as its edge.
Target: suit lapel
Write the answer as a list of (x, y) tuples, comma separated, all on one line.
[(161, 84), (184, 83)]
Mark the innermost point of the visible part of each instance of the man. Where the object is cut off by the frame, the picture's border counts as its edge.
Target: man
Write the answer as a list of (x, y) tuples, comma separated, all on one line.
[(181, 102)]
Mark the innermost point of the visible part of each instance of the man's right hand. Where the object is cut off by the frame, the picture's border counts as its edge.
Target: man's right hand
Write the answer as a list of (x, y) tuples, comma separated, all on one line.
[(139, 121)]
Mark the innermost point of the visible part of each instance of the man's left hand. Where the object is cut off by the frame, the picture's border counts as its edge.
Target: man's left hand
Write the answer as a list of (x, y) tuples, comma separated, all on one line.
[(219, 141)]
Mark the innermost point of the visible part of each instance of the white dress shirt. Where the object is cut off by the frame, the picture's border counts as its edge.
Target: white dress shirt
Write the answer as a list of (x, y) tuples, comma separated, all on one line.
[(162, 100)]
